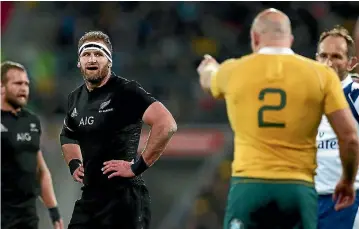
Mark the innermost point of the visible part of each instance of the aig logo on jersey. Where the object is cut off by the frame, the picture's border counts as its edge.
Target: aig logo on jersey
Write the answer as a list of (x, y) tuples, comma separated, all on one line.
[(23, 137), (87, 121)]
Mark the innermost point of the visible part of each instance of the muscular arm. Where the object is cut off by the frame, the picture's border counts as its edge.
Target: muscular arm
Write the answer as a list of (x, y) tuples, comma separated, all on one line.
[(343, 124), (71, 151), (47, 190), (163, 126)]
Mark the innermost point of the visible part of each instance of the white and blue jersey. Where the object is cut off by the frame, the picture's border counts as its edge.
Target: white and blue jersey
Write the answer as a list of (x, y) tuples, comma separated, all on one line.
[(329, 169)]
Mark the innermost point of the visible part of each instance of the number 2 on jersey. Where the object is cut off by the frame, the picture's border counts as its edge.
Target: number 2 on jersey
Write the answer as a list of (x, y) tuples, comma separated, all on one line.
[(282, 104)]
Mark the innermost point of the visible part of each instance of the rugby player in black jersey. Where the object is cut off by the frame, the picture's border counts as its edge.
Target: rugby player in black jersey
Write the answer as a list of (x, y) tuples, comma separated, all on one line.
[(100, 139), (24, 173)]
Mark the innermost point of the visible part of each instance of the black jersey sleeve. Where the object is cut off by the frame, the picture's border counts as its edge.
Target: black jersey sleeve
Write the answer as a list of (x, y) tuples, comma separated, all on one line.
[(38, 123), (137, 100), (68, 135)]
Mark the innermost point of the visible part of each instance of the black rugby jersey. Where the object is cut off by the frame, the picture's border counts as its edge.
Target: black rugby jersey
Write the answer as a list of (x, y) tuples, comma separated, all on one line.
[(106, 123), (20, 143)]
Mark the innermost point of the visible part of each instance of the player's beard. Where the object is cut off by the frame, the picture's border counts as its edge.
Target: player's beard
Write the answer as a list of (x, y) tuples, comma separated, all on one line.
[(342, 73), (16, 101), (95, 77)]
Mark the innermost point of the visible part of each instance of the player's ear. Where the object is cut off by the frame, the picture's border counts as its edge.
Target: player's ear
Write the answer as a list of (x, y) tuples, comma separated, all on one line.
[(317, 56), (255, 37), (2, 89), (78, 64), (291, 39), (110, 65), (353, 62)]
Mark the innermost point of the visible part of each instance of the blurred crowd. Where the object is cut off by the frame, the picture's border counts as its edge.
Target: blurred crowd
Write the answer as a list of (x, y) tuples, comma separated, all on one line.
[(161, 43), (210, 205)]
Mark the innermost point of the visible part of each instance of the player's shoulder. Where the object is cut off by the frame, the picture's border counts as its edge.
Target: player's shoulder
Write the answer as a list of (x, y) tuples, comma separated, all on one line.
[(31, 115), (230, 61), (323, 71), (76, 91), (313, 63), (248, 59), (126, 84), (233, 62), (308, 61)]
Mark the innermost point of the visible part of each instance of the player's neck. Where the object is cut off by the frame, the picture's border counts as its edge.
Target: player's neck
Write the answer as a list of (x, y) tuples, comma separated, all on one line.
[(274, 44), (344, 77), (91, 86), (5, 106)]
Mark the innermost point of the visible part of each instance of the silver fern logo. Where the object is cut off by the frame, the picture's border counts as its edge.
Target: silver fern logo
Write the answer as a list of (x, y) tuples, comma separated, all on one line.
[(33, 127), (104, 104)]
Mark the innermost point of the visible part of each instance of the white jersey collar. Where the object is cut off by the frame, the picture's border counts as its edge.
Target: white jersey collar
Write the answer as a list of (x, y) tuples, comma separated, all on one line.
[(347, 81), (275, 50)]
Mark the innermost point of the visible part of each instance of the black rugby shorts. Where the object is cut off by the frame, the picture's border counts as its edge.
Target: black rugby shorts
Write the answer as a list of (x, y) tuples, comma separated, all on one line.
[(125, 208)]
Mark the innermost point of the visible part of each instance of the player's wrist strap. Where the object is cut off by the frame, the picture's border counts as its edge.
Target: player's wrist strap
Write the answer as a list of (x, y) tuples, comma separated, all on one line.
[(139, 166), (74, 164), (54, 214)]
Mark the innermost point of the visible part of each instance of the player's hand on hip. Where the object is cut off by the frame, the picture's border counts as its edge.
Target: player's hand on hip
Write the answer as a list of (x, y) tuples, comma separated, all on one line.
[(344, 195), (79, 174), (207, 66), (118, 168), (59, 224)]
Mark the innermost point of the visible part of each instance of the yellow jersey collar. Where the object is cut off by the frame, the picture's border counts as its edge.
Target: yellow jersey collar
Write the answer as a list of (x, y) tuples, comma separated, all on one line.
[(275, 50)]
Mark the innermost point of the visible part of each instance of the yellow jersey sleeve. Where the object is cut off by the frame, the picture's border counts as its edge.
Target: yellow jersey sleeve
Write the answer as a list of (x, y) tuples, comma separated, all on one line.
[(219, 79), (334, 97)]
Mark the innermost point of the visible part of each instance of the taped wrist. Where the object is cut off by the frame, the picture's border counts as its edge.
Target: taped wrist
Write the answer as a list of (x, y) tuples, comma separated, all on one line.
[(139, 166), (74, 164), (54, 214)]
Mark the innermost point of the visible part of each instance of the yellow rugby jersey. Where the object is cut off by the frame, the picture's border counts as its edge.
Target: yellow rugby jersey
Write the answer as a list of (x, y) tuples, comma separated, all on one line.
[(275, 101)]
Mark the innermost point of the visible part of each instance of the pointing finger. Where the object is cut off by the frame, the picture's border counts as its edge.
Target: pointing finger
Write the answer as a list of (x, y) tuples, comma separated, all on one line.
[(207, 56)]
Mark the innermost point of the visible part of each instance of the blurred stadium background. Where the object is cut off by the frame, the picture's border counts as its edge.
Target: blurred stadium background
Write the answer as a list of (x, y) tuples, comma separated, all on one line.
[(159, 44)]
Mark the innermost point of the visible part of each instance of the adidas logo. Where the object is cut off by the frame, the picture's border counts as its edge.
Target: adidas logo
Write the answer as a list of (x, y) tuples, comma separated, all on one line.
[(3, 128), (74, 113)]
